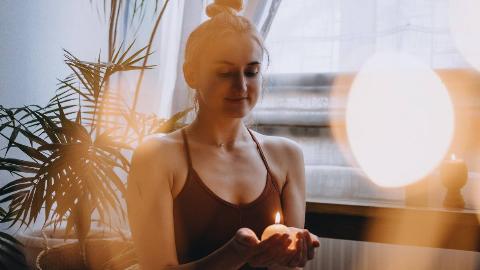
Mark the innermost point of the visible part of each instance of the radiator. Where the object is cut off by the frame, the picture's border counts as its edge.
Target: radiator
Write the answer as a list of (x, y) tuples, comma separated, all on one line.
[(354, 255)]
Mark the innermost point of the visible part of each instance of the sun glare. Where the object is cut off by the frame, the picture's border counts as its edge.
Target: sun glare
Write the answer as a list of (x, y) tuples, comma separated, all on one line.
[(399, 119)]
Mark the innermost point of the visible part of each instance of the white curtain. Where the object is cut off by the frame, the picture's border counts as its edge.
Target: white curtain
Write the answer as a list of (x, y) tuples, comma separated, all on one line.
[(158, 83), (169, 55), (193, 15)]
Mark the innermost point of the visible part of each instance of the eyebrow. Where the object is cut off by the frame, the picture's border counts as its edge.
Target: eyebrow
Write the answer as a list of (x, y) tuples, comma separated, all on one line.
[(232, 64)]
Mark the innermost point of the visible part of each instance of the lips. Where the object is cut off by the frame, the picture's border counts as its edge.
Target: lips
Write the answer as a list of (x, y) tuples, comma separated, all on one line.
[(235, 99)]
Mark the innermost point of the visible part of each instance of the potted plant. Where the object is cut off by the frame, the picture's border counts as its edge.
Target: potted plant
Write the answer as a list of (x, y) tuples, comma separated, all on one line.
[(71, 165), (69, 157)]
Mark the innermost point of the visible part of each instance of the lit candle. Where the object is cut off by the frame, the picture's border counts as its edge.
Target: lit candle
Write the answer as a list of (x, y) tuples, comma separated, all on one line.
[(454, 174), (278, 228)]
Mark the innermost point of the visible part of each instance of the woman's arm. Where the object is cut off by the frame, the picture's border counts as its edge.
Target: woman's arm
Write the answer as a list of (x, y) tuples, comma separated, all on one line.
[(294, 202), (293, 192), (149, 205)]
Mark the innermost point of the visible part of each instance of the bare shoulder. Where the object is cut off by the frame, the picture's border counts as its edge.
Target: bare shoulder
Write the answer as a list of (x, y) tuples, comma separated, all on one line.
[(279, 146), (159, 147), (158, 157), (284, 156)]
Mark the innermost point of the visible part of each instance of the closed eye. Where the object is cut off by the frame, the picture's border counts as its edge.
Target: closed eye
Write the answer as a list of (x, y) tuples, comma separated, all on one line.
[(224, 74), (251, 73), (228, 74)]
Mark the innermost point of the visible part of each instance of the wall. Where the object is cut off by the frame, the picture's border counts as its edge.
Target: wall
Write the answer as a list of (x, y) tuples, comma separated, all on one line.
[(32, 36)]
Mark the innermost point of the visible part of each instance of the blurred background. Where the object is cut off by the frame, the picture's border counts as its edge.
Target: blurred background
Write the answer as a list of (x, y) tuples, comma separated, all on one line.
[(317, 51)]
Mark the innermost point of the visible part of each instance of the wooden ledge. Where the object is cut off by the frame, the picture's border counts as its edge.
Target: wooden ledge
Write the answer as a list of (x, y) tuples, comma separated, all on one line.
[(391, 223)]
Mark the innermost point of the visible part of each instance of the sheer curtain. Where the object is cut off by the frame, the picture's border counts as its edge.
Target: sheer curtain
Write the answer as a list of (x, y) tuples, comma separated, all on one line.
[(158, 83), (193, 15)]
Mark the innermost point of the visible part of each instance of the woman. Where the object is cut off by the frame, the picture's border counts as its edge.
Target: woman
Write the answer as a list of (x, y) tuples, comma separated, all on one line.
[(200, 197)]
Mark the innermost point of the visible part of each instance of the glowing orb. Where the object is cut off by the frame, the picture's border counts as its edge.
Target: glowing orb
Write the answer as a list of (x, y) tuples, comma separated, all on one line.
[(464, 22), (399, 119)]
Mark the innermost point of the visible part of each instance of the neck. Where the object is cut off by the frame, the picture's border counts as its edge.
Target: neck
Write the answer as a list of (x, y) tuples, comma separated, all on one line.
[(221, 132)]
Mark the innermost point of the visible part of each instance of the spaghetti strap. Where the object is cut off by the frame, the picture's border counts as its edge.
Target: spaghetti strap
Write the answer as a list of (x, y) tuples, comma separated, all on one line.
[(187, 150), (260, 150), (262, 155)]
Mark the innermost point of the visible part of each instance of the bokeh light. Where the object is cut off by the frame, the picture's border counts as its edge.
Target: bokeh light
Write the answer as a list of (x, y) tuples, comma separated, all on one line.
[(399, 119)]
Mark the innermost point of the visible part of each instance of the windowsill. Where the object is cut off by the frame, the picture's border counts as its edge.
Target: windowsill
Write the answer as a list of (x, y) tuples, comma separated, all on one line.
[(394, 223), (359, 204)]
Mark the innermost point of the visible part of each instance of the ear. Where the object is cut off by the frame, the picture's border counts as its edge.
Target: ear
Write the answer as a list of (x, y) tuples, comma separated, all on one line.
[(189, 75)]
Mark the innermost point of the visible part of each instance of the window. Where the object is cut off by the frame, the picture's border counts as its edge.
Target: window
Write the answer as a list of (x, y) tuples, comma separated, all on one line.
[(317, 46), (324, 36)]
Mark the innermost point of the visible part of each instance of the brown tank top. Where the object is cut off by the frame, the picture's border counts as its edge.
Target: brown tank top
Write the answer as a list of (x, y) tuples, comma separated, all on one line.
[(204, 222)]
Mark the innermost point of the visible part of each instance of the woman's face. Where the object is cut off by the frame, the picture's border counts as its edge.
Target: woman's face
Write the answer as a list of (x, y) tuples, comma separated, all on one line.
[(228, 78)]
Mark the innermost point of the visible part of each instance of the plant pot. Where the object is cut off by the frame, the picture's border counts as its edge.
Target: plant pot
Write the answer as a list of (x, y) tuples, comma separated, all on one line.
[(34, 241), (68, 256)]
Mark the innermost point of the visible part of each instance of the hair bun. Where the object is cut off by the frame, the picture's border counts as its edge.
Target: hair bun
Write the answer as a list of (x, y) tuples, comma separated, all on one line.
[(220, 6)]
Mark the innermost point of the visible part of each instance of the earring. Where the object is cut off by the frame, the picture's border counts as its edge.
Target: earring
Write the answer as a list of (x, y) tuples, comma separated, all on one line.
[(195, 102)]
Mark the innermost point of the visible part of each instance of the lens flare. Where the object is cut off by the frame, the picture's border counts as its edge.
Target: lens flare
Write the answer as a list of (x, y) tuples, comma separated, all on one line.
[(399, 119)]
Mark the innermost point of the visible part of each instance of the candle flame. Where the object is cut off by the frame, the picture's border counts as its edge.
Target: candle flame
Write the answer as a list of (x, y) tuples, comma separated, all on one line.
[(453, 157), (277, 218)]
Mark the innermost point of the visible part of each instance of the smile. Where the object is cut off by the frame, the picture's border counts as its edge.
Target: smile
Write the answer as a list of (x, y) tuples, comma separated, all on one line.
[(236, 99)]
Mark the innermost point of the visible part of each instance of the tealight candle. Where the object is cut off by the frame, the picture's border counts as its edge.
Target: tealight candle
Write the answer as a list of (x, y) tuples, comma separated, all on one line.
[(454, 174), (280, 229)]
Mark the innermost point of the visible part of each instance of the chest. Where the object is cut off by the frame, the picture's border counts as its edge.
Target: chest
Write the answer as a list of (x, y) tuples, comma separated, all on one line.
[(232, 165), (238, 176)]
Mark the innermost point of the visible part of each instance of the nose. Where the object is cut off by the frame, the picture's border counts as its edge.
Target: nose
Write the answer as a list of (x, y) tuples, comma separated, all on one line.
[(240, 83)]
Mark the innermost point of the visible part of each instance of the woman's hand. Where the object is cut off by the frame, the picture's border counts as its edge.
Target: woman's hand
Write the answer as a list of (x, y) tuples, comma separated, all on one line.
[(274, 251), (304, 247), (267, 253)]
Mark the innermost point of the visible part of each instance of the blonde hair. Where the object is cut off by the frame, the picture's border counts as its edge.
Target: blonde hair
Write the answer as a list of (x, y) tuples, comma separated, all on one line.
[(224, 20)]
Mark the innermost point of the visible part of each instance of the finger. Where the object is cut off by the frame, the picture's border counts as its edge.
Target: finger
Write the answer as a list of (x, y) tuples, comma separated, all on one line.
[(269, 253), (313, 238), (300, 257), (285, 242), (298, 251), (311, 247), (267, 258), (244, 243), (316, 241), (288, 256), (246, 237), (284, 253), (268, 242), (304, 259), (257, 258), (273, 241)]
